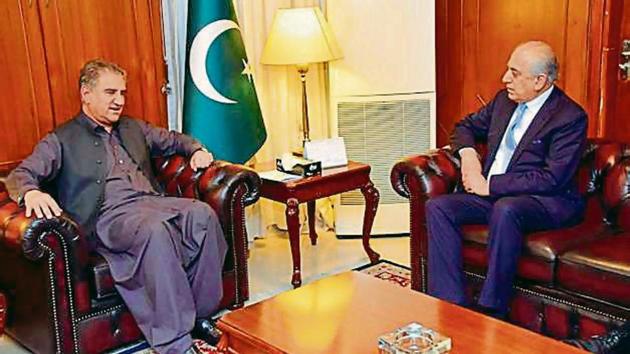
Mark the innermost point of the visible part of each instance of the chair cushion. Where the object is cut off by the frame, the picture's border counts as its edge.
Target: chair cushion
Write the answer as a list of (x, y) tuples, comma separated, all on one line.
[(541, 248), (529, 267), (552, 243), (546, 244), (600, 268)]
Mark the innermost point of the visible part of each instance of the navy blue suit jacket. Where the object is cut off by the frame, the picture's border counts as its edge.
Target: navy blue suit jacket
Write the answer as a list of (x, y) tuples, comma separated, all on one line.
[(545, 160)]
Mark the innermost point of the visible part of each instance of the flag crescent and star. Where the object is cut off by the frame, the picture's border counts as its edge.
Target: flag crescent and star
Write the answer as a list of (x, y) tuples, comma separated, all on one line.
[(221, 108), (198, 54)]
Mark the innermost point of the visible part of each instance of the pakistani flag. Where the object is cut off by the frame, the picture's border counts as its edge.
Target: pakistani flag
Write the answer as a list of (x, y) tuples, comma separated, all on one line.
[(220, 105)]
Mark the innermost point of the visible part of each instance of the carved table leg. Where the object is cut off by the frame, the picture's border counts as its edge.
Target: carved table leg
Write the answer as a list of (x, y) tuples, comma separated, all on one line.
[(371, 195), (312, 233), (293, 224)]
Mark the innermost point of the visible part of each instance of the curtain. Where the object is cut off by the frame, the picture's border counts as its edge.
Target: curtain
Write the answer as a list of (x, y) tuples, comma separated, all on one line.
[(174, 15), (278, 89)]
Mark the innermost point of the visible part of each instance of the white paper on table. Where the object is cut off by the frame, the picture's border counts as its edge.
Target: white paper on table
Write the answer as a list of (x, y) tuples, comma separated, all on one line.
[(278, 176), (331, 152)]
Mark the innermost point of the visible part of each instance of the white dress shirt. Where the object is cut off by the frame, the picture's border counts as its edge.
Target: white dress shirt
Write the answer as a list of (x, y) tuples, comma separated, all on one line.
[(504, 155)]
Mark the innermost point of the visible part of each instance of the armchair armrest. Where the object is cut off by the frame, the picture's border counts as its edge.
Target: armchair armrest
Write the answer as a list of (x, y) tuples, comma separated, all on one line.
[(216, 185), (227, 188), (29, 234), (222, 181), (616, 194), (426, 175), (59, 241), (419, 178)]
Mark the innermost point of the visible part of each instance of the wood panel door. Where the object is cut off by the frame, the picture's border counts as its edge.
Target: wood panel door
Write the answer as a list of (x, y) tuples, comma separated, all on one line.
[(615, 86), (26, 108), (475, 39), (127, 32)]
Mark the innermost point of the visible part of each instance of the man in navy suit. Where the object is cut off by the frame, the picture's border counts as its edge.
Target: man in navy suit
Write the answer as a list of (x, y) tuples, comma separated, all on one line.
[(535, 135)]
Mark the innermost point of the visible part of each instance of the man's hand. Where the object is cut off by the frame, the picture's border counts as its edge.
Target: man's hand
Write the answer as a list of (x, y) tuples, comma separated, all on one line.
[(473, 180), (478, 185), (41, 203), (471, 167), (201, 159)]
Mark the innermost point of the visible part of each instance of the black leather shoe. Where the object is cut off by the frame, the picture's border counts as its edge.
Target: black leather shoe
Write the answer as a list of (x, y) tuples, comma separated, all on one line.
[(616, 341), (207, 331), (193, 350)]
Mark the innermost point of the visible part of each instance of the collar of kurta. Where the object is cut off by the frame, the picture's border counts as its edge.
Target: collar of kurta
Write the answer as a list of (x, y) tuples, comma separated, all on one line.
[(84, 118)]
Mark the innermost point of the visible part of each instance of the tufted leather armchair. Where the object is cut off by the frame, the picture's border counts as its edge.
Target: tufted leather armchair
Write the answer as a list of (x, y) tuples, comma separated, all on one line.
[(61, 295), (571, 282)]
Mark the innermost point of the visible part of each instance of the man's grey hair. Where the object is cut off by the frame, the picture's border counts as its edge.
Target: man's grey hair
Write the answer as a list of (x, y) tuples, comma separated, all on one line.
[(545, 61), (548, 66), (92, 70)]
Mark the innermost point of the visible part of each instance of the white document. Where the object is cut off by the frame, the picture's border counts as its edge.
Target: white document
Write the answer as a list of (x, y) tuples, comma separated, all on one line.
[(331, 152), (278, 176)]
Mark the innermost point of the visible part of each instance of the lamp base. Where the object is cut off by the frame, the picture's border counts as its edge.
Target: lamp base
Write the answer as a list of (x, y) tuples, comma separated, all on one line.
[(298, 152)]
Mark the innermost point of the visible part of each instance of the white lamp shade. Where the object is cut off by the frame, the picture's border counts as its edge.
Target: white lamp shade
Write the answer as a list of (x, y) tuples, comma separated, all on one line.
[(300, 36)]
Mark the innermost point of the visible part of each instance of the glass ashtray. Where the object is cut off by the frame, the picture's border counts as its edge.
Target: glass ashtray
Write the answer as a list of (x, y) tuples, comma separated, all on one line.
[(413, 339)]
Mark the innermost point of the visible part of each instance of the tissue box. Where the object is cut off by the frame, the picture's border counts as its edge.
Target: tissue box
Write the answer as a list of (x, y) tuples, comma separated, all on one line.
[(305, 168)]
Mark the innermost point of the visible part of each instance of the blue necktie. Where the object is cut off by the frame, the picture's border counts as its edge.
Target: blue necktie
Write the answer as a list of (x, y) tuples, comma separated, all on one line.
[(510, 140)]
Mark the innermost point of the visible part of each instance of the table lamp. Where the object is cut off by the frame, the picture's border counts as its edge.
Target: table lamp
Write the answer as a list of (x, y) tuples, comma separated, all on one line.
[(300, 36)]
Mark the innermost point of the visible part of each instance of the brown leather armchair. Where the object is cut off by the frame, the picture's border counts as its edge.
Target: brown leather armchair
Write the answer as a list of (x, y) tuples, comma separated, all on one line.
[(61, 295), (571, 282)]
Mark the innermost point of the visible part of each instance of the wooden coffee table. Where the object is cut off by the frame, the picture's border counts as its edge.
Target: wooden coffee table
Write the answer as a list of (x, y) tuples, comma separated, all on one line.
[(348, 312)]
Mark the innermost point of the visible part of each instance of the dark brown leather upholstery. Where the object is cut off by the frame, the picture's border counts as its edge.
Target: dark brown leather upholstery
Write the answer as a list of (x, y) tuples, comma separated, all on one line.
[(571, 282), (62, 295), (3, 312), (599, 269)]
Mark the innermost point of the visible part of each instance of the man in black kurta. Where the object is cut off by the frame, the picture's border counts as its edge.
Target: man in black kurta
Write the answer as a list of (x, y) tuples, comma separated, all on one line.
[(165, 254)]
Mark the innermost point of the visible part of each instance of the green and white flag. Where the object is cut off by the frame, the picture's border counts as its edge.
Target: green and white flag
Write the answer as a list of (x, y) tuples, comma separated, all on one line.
[(220, 104)]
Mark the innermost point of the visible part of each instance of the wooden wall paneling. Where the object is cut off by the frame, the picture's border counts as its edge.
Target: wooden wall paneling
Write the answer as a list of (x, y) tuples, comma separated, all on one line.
[(60, 58), (490, 29), (582, 48), (470, 65), (575, 58), (616, 95), (26, 113), (594, 42), (150, 41), (504, 24), (449, 66), (610, 60), (115, 30), (622, 111)]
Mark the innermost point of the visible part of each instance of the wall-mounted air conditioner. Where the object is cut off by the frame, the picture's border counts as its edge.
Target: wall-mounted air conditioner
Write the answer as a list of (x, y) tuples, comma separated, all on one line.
[(382, 97)]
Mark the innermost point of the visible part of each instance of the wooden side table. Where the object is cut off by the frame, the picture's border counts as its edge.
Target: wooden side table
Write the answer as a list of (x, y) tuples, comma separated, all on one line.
[(332, 181)]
